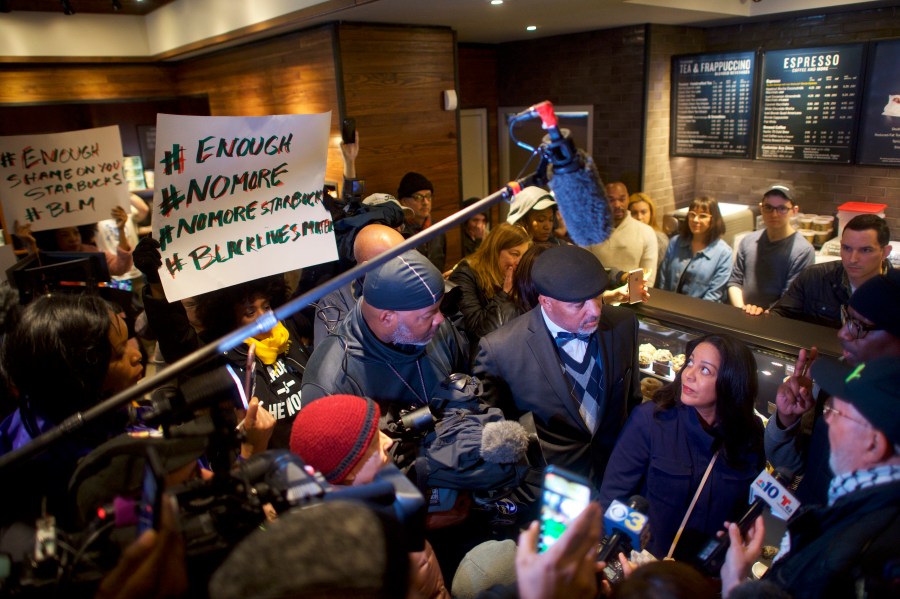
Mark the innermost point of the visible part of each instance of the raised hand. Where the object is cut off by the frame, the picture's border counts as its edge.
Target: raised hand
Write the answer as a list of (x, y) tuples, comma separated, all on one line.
[(794, 396)]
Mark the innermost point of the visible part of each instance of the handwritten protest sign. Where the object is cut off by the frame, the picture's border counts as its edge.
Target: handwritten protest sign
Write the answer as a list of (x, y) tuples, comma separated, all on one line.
[(239, 198), (62, 179)]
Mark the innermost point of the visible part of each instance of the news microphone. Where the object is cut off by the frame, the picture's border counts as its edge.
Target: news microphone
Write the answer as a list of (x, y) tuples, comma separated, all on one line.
[(624, 524), (504, 442), (767, 489), (575, 182)]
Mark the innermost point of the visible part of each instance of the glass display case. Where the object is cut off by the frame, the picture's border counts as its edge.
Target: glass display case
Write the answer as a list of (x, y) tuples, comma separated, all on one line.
[(669, 320)]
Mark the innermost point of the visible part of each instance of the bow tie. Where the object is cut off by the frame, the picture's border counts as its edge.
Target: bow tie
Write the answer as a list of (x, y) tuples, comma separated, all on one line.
[(564, 337)]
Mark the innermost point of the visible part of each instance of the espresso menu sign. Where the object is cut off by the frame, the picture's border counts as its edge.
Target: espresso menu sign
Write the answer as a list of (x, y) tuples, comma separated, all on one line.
[(712, 103), (879, 135), (810, 100)]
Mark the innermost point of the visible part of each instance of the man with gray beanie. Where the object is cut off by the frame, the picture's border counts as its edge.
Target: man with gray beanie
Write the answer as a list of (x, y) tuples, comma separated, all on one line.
[(394, 346)]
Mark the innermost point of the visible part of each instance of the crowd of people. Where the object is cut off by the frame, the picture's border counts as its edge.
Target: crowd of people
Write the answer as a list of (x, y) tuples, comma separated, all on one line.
[(472, 380)]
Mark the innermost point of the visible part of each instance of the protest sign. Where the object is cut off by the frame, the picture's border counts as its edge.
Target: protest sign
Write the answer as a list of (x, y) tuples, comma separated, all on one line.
[(64, 179), (239, 198)]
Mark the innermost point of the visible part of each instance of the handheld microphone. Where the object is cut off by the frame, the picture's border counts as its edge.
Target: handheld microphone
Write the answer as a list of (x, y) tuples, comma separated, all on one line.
[(575, 182), (624, 524), (765, 490)]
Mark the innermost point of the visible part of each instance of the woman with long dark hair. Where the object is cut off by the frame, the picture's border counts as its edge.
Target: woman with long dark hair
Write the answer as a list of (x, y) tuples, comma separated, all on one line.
[(700, 432), (65, 355), (698, 261)]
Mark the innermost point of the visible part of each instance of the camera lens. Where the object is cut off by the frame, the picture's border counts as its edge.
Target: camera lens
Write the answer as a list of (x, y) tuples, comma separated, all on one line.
[(418, 421)]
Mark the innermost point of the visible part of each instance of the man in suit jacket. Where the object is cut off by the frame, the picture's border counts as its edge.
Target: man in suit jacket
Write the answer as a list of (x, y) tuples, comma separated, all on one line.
[(570, 361)]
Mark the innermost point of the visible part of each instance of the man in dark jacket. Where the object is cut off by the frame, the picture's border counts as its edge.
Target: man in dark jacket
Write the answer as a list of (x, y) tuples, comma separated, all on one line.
[(818, 293), (417, 193), (871, 330), (394, 345), (574, 368), (848, 548)]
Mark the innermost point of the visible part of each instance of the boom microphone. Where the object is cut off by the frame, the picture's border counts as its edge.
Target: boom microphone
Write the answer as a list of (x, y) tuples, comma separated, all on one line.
[(767, 489), (575, 183)]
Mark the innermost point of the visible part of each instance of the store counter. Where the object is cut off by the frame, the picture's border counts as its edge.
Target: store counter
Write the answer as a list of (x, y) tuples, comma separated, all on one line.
[(669, 320)]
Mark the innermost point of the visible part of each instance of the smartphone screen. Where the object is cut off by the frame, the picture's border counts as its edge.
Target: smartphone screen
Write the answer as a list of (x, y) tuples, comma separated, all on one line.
[(565, 496), (635, 280), (151, 493), (348, 131)]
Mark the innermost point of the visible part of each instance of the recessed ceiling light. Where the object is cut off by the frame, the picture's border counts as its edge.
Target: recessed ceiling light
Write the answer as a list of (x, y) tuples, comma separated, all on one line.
[(496, 2), (531, 28)]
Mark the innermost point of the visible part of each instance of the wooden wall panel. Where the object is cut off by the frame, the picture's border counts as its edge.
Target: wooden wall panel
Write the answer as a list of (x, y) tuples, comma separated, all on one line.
[(393, 78), (291, 74), (35, 83)]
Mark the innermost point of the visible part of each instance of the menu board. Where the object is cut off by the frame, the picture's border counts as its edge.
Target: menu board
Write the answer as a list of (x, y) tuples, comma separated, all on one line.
[(712, 103), (810, 100), (879, 134)]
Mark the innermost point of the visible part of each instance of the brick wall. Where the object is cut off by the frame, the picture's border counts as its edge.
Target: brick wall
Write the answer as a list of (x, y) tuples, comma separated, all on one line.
[(820, 187), (603, 68), (667, 181)]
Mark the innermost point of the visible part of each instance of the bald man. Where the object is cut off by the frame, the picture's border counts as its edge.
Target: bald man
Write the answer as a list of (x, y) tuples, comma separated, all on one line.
[(371, 241), (632, 244)]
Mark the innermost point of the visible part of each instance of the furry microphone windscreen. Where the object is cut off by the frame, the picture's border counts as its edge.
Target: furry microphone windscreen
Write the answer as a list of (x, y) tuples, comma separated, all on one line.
[(504, 442), (583, 204)]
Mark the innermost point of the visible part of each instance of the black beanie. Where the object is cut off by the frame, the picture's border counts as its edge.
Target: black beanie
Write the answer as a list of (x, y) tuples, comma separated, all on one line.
[(411, 183)]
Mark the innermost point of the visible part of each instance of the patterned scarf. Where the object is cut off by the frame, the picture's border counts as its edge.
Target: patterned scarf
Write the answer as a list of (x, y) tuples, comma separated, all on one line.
[(842, 484)]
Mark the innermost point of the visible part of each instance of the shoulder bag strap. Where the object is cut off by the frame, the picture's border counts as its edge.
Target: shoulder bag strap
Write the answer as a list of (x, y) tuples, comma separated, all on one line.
[(690, 509)]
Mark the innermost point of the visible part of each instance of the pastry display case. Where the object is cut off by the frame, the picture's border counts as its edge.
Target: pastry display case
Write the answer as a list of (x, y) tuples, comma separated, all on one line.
[(669, 320)]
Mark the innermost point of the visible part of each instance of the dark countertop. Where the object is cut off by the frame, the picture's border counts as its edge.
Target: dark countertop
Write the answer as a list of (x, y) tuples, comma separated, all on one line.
[(767, 330)]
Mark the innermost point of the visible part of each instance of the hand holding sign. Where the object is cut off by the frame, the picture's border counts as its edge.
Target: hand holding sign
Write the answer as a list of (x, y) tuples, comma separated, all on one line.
[(239, 198)]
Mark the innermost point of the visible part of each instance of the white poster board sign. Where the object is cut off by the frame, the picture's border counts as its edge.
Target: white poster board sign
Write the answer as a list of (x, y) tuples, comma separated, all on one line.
[(61, 179), (239, 198)]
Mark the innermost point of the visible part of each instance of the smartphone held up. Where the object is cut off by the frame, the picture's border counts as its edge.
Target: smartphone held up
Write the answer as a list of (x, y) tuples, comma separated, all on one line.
[(564, 497)]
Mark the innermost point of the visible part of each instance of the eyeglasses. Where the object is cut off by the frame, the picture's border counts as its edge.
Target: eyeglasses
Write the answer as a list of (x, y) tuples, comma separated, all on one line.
[(699, 215), (829, 410), (421, 197), (857, 329), (769, 208)]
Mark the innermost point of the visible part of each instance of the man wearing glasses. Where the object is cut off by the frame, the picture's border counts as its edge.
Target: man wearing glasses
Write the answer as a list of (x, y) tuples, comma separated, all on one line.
[(768, 260), (820, 291), (846, 546), (417, 193), (871, 329)]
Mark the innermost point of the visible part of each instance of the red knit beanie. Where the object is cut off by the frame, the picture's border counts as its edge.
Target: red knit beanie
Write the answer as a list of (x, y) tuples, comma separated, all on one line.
[(332, 434)]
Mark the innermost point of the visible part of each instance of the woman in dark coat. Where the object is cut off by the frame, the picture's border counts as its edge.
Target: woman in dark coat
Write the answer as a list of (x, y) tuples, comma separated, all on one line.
[(486, 280), (667, 445)]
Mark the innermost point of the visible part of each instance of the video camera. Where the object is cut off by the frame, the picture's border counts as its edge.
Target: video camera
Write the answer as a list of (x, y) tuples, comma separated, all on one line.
[(214, 514)]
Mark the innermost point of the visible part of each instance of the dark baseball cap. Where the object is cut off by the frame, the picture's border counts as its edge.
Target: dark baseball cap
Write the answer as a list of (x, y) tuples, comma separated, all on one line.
[(872, 387), (878, 300)]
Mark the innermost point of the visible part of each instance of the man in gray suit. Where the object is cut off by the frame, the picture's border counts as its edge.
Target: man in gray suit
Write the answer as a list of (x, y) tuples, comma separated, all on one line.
[(570, 361)]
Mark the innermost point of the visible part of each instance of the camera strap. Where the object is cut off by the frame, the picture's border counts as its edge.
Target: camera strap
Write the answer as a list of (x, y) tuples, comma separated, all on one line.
[(422, 398)]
